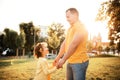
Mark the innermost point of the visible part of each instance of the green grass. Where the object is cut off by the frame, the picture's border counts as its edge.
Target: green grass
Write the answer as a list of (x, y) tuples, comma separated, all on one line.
[(9, 62), (100, 68)]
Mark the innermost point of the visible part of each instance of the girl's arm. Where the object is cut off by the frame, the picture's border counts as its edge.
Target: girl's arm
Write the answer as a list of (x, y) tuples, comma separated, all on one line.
[(47, 69)]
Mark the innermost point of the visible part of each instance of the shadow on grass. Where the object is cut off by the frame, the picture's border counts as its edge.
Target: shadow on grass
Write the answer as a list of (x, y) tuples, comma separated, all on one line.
[(3, 64)]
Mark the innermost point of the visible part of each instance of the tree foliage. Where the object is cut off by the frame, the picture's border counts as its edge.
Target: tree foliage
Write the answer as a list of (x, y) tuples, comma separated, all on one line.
[(10, 39), (21, 40), (89, 46), (1, 41), (30, 33), (55, 35), (110, 11)]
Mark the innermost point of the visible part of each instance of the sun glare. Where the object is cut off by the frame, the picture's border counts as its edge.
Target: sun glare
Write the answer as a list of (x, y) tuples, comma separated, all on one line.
[(94, 27)]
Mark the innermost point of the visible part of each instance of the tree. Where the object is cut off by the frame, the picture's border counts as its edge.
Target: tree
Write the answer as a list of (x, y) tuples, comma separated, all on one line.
[(118, 47), (99, 48), (31, 34), (89, 46), (107, 49), (37, 34), (10, 40), (21, 39), (21, 44), (55, 35), (110, 10), (1, 42)]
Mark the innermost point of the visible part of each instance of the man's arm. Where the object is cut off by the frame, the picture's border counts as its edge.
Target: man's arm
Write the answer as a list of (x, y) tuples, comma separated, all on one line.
[(61, 52), (78, 38)]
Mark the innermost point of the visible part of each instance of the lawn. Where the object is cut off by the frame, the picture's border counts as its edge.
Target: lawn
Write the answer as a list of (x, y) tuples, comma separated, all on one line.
[(100, 68)]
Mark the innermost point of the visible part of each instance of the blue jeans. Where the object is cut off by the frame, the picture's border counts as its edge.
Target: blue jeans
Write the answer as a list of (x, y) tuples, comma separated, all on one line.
[(77, 71)]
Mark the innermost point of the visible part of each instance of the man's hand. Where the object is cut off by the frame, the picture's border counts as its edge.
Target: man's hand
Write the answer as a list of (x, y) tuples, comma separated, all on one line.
[(60, 63), (56, 61)]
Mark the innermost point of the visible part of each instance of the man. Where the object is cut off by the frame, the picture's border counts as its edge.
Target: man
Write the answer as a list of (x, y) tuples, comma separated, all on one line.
[(73, 49)]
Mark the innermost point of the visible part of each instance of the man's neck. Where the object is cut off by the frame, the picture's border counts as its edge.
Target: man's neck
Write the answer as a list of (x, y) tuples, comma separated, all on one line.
[(74, 22)]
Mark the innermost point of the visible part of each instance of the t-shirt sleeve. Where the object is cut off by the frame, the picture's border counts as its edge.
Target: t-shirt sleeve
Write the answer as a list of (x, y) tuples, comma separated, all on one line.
[(80, 29)]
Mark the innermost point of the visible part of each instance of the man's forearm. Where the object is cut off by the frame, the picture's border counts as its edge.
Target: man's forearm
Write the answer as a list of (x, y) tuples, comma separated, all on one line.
[(62, 49), (70, 51), (73, 45)]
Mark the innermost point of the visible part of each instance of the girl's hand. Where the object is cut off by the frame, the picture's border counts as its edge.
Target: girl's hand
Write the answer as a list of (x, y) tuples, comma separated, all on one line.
[(56, 61)]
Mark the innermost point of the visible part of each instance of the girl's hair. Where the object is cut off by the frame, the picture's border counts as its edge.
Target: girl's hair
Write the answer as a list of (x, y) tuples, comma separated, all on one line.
[(37, 50)]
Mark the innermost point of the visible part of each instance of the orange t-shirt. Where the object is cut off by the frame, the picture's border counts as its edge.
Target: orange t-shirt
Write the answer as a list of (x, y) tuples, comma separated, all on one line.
[(79, 55)]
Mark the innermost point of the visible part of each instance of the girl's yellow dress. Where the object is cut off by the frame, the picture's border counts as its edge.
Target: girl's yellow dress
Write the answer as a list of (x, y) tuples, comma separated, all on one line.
[(43, 70)]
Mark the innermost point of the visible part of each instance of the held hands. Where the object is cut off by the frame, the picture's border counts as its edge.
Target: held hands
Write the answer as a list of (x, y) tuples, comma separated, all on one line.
[(58, 62)]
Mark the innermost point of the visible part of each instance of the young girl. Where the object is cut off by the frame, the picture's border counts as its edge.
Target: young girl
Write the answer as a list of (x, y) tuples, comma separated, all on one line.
[(43, 69)]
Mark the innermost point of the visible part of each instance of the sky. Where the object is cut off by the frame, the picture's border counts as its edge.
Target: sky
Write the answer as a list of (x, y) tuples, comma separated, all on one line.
[(46, 12)]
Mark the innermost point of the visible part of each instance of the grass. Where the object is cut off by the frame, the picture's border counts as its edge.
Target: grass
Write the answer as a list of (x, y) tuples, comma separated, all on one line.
[(100, 68)]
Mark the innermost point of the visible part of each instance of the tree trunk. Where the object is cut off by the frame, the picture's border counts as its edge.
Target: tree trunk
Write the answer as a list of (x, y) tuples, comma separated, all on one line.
[(17, 53), (23, 52)]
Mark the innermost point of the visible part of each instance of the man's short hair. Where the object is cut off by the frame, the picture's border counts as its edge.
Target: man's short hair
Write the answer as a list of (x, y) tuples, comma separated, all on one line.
[(73, 11)]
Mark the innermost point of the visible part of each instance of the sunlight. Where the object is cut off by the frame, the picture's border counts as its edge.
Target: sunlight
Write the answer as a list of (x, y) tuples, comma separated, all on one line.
[(12, 13), (94, 27)]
